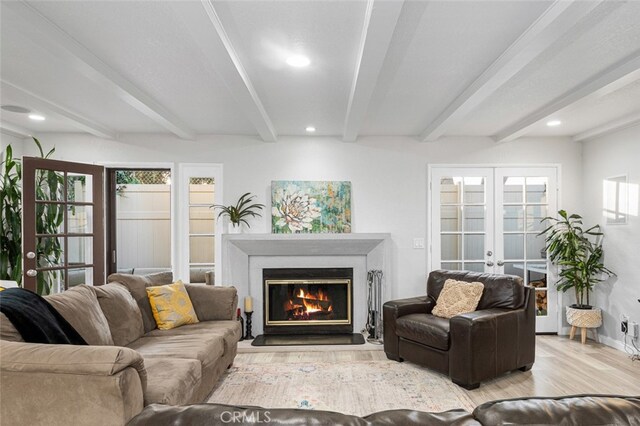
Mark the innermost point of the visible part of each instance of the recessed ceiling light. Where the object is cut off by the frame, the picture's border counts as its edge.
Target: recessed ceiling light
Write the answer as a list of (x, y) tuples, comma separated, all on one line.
[(310, 129), (16, 108), (554, 123), (36, 117), (298, 61)]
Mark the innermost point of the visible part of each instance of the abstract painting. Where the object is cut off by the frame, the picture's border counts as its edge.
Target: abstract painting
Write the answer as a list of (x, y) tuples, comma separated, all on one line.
[(317, 207)]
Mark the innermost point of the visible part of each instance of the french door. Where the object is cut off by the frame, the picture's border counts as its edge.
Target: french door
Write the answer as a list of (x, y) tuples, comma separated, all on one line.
[(63, 232), (487, 219)]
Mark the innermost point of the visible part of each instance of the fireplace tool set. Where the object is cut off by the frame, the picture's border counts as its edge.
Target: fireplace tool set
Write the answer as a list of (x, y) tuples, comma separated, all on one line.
[(374, 306)]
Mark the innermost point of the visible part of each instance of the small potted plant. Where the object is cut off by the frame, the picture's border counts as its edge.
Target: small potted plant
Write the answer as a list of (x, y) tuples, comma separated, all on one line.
[(239, 212), (578, 254)]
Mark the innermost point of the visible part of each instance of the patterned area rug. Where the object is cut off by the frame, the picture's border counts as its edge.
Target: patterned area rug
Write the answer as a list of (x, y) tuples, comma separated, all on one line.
[(353, 387)]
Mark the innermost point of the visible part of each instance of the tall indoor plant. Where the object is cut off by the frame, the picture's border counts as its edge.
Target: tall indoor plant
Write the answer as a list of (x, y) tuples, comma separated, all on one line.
[(11, 232), (578, 254), (48, 219), (239, 212)]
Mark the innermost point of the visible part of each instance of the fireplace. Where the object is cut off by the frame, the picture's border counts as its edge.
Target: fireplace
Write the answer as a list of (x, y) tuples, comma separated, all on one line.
[(308, 300)]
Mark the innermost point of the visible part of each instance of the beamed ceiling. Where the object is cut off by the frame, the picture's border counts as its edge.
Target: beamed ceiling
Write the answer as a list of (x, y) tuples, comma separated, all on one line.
[(424, 69)]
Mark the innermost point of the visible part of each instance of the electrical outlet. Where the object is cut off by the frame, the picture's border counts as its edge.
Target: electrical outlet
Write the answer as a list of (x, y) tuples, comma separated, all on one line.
[(624, 326), (635, 330)]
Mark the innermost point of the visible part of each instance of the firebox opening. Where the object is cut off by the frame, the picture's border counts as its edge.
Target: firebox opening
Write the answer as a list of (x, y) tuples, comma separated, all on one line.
[(308, 301)]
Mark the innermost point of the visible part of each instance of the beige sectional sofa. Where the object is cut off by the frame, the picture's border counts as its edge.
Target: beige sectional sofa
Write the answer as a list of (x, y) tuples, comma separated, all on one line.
[(128, 364)]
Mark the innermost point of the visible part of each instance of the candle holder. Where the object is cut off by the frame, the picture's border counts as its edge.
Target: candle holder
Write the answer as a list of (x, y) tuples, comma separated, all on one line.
[(248, 335)]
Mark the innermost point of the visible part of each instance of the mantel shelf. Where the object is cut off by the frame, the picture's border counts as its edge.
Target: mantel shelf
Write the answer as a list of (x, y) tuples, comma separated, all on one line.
[(306, 244)]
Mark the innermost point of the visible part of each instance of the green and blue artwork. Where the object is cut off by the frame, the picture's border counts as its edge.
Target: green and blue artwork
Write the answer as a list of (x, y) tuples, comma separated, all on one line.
[(317, 207)]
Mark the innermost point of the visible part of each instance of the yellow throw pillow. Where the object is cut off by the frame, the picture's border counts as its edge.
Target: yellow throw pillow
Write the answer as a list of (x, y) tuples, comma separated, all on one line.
[(457, 297), (171, 306)]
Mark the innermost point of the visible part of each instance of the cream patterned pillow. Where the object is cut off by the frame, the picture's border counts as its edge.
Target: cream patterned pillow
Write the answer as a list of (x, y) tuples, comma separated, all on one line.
[(171, 306), (457, 297)]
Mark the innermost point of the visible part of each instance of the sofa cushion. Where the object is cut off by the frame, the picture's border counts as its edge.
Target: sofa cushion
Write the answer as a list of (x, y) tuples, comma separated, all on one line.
[(171, 381), (500, 291), (457, 297), (79, 306), (230, 331), (426, 329), (581, 410), (213, 302), (206, 349), (122, 313), (218, 414), (171, 306), (8, 331), (137, 286)]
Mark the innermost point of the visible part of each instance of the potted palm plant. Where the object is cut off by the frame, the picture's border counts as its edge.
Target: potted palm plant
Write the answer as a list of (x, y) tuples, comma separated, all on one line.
[(239, 212), (49, 250), (578, 254)]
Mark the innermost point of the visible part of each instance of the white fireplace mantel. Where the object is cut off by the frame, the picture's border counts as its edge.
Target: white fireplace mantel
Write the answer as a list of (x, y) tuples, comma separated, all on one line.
[(245, 255)]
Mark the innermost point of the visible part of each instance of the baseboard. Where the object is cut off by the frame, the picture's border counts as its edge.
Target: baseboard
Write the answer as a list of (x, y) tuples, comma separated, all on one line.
[(616, 344), (605, 340)]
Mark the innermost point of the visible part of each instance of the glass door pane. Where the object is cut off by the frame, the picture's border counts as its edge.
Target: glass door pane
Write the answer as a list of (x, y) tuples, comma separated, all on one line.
[(63, 224), (460, 213), (202, 227), (525, 196)]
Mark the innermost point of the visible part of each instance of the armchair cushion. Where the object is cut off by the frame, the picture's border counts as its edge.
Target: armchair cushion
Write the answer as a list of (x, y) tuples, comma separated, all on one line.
[(457, 297), (426, 329), (500, 291)]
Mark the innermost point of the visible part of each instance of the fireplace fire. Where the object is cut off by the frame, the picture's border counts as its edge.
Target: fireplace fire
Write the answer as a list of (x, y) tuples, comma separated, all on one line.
[(308, 306), (301, 301)]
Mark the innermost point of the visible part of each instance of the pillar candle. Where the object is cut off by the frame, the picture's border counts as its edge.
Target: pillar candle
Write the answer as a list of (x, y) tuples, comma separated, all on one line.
[(248, 304)]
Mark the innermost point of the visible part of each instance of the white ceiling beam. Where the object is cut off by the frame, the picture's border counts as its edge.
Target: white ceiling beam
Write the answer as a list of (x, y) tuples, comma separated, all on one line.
[(559, 18), (215, 45), (610, 127), (608, 81), (46, 33), (15, 130), (75, 119), (380, 23)]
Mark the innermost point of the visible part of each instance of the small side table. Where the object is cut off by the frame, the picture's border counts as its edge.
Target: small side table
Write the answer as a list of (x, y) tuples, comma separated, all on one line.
[(584, 319)]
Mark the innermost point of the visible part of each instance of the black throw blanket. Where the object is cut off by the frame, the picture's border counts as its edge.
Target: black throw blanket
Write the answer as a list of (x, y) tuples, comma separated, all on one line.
[(35, 319)]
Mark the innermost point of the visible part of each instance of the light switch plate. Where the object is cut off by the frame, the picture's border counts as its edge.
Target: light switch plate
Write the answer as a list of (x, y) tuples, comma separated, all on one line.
[(418, 243)]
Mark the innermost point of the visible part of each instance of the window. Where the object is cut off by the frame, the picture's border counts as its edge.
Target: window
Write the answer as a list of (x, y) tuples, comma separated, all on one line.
[(202, 226), (199, 254)]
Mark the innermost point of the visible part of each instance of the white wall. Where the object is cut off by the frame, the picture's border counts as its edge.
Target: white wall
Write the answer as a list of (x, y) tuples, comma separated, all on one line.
[(16, 144), (388, 175), (606, 157)]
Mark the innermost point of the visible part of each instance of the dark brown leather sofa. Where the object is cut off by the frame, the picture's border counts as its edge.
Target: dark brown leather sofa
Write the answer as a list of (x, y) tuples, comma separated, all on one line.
[(581, 410), (470, 348)]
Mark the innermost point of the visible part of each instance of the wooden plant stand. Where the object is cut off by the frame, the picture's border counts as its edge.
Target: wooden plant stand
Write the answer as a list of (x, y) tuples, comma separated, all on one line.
[(584, 319)]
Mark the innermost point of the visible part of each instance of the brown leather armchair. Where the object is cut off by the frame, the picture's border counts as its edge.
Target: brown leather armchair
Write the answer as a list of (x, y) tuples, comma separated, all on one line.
[(470, 348)]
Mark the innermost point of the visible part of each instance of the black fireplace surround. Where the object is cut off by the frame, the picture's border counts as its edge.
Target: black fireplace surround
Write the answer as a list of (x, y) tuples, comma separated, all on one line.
[(307, 301)]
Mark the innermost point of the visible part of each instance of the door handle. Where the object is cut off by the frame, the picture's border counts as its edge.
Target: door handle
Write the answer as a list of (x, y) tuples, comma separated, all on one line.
[(500, 262), (489, 263), (32, 273), (31, 255)]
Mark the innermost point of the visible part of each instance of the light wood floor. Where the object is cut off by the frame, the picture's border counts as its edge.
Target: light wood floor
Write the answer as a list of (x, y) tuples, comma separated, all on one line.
[(562, 367)]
